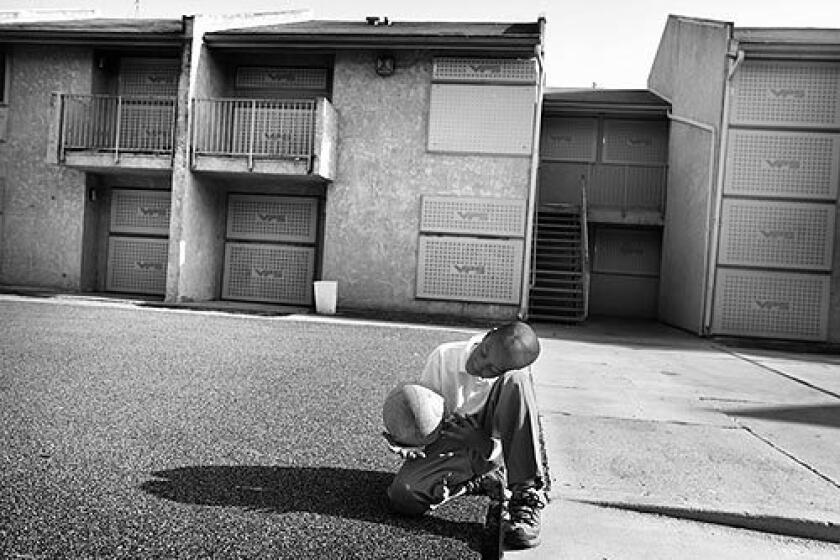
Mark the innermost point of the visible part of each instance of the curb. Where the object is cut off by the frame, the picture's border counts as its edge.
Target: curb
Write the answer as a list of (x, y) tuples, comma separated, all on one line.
[(824, 531)]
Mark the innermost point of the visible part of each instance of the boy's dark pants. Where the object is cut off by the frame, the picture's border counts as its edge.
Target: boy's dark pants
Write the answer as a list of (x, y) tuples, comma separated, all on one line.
[(510, 415)]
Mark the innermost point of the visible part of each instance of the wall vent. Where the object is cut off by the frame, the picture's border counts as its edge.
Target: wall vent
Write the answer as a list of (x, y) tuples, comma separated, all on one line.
[(272, 218), (481, 216), (513, 70), (137, 265), (782, 164), (469, 269), (268, 273), (777, 234), (771, 304), (144, 212), (787, 93)]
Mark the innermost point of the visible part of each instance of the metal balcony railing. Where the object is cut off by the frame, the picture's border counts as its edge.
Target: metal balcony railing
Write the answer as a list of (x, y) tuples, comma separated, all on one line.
[(117, 124), (254, 128), (627, 187)]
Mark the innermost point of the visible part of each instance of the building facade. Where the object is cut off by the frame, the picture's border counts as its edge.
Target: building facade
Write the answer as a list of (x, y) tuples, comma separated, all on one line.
[(423, 168), (204, 159)]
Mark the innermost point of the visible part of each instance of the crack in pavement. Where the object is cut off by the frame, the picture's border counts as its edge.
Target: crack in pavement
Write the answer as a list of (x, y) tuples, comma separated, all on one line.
[(790, 456), (781, 373)]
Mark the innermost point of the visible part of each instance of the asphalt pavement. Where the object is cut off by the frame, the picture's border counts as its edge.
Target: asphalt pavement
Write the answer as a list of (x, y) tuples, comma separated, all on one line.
[(131, 432)]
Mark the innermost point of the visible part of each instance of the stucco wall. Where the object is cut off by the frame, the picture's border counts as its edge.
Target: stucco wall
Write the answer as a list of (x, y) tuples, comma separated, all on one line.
[(690, 69), (373, 206), (43, 204), (201, 238), (684, 238), (197, 224)]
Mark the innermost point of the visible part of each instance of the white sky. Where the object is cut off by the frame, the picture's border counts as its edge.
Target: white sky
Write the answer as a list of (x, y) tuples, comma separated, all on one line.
[(607, 42)]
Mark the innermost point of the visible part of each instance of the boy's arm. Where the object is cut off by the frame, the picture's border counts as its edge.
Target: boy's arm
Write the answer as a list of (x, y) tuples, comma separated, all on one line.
[(431, 375)]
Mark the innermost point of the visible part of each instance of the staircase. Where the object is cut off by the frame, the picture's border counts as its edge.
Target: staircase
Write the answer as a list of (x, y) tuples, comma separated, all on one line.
[(560, 286)]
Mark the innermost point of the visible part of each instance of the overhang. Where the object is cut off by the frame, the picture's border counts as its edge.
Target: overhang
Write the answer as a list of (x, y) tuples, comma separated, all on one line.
[(98, 32), (510, 39), (607, 101), (788, 42)]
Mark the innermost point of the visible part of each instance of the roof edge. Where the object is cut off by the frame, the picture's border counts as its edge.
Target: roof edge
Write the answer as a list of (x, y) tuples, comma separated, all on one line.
[(393, 39), (165, 32)]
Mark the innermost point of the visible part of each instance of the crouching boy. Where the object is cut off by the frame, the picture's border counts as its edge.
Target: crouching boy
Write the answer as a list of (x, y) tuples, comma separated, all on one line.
[(486, 384)]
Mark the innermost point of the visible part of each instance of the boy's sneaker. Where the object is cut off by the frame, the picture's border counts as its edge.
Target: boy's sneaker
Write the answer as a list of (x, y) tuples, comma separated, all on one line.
[(523, 525)]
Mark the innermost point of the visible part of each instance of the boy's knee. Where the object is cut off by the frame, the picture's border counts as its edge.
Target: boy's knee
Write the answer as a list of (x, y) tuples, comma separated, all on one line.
[(405, 500)]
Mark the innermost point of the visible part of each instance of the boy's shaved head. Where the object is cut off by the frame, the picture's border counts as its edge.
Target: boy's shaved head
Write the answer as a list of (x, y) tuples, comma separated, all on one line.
[(520, 341), (505, 348)]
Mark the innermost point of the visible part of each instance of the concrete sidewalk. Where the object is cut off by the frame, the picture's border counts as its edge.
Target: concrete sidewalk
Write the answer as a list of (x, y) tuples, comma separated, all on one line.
[(662, 445)]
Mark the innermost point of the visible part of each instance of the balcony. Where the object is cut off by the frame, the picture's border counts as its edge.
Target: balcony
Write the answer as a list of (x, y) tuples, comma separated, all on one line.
[(265, 136), (102, 132), (629, 194)]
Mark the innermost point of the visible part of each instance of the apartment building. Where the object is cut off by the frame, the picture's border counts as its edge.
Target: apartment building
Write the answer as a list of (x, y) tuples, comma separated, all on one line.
[(198, 160), (423, 168)]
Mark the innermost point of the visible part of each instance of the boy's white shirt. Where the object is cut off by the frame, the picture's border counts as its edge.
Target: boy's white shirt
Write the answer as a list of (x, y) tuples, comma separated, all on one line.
[(462, 393)]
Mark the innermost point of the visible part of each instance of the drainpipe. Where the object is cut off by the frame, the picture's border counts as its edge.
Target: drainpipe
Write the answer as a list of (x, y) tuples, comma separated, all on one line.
[(528, 252), (713, 246)]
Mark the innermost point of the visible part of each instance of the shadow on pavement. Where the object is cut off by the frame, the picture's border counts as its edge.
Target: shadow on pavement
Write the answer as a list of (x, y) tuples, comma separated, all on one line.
[(348, 493), (817, 415), (789, 527)]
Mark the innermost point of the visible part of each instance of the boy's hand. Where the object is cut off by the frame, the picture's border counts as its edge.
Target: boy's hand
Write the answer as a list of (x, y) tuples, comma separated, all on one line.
[(401, 450), (465, 431)]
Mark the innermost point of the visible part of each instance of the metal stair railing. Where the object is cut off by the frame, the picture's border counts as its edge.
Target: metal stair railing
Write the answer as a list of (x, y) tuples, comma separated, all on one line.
[(584, 237)]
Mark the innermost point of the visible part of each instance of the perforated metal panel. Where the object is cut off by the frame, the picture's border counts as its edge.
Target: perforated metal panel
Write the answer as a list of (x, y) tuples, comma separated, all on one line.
[(485, 70), (272, 218), (280, 78), (626, 251), (786, 93), (782, 164), (469, 269), (144, 212), (481, 119), (771, 304), (777, 234), (149, 76), (136, 265), (277, 131), (627, 141), (268, 273), (569, 139), (477, 216)]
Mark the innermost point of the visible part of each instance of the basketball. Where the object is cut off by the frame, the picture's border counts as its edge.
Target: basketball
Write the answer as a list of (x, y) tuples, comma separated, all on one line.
[(412, 414)]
